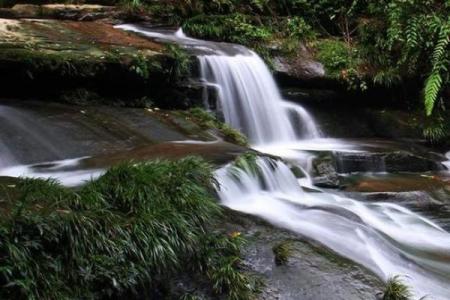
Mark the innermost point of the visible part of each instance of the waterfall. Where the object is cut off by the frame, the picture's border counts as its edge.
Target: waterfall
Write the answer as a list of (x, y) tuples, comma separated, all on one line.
[(386, 238), (447, 163), (249, 98), (251, 102)]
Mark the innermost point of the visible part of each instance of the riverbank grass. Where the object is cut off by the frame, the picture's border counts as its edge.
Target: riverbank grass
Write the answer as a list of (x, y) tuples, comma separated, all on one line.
[(127, 234)]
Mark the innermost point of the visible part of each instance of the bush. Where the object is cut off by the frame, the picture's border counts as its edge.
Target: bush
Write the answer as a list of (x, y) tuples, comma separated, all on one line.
[(396, 290), (126, 233), (234, 28)]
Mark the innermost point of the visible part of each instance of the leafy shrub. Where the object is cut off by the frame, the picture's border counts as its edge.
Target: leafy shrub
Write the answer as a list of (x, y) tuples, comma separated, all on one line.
[(126, 233), (296, 27), (235, 28)]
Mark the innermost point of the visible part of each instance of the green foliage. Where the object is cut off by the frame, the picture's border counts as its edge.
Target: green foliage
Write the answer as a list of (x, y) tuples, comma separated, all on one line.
[(409, 38), (221, 256), (342, 62), (335, 55), (126, 233), (247, 161), (235, 28), (207, 120), (282, 252), (176, 65), (396, 290), (296, 27), (140, 66), (181, 62), (436, 129)]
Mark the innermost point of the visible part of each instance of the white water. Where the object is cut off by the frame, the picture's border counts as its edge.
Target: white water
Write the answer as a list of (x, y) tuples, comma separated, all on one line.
[(250, 100), (384, 237), (447, 163), (67, 171)]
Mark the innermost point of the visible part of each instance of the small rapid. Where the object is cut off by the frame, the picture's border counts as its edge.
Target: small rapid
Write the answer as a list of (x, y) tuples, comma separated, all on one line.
[(386, 238)]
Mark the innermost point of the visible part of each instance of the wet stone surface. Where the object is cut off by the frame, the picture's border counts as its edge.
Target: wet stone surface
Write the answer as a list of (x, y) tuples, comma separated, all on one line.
[(311, 273)]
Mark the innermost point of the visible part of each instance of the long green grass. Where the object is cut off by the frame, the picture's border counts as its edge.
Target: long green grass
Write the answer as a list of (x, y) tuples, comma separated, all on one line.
[(126, 234), (397, 290)]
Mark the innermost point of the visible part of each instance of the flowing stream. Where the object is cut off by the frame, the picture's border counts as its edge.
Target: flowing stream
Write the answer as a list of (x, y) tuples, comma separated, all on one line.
[(386, 238)]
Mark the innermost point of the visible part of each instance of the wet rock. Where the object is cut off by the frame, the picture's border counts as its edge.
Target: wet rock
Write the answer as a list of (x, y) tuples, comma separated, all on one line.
[(39, 131), (395, 161), (403, 161), (50, 58), (302, 69), (312, 272), (324, 172), (86, 12), (419, 200)]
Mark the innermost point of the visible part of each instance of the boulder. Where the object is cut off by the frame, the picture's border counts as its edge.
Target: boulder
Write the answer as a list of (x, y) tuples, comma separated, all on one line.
[(325, 173)]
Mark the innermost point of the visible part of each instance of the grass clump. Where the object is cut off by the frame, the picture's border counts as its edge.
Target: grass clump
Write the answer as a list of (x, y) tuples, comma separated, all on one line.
[(222, 258), (396, 290), (208, 121), (282, 252), (126, 234)]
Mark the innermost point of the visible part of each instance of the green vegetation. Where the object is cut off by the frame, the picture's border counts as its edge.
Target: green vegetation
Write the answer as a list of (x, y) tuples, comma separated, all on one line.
[(126, 234), (282, 252), (207, 120), (396, 290), (365, 44), (398, 44)]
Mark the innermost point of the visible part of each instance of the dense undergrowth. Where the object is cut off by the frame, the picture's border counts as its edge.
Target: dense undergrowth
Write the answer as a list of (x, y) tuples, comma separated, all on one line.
[(127, 234)]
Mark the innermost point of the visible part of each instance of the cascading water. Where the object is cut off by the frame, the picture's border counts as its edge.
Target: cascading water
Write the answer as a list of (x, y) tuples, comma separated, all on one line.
[(251, 102), (385, 238), (447, 163)]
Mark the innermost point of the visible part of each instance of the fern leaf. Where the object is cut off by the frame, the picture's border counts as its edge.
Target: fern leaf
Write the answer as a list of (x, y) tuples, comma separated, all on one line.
[(433, 85)]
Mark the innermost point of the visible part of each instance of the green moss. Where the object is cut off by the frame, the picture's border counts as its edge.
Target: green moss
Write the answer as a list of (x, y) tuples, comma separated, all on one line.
[(396, 290), (207, 120), (283, 251), (128, 232)]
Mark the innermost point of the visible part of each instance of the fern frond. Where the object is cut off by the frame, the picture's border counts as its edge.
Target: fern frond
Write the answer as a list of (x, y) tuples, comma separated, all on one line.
[(439, 62), (433, 85)]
